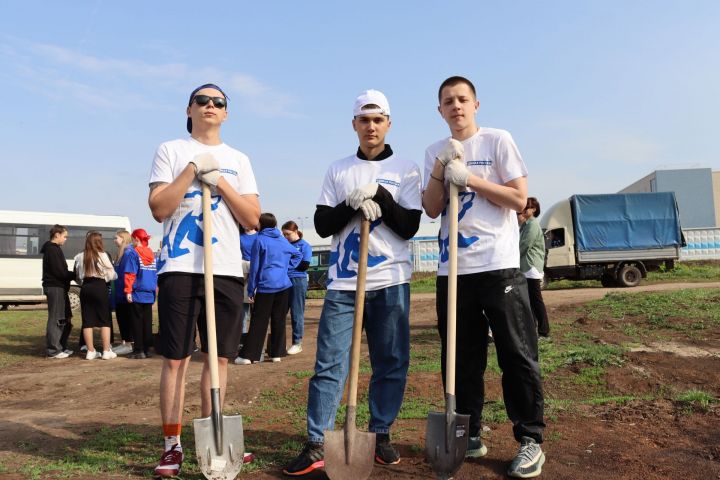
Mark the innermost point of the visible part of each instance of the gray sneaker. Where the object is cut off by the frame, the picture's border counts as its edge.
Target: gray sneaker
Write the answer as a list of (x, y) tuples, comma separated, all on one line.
[(529, 460), (475, 448)]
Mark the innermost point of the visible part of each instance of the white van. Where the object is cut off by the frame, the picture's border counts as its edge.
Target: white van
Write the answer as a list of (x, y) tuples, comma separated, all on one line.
[(22, 235)]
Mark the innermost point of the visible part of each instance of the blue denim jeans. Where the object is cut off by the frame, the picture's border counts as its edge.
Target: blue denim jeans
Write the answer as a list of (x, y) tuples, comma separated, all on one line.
[(297, 307), (387, 328)]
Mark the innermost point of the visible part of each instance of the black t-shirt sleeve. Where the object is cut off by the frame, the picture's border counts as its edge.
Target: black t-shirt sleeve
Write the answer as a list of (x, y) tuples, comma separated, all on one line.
[(330, 220), (303, 266), (403, 221)]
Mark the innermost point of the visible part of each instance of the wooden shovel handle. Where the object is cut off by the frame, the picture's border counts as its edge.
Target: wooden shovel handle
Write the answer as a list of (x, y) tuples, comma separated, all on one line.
[(359, 310), (452, 291), (209, 287)]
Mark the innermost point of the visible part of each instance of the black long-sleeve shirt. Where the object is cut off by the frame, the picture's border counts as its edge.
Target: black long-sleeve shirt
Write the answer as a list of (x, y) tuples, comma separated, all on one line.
[(55, 272)]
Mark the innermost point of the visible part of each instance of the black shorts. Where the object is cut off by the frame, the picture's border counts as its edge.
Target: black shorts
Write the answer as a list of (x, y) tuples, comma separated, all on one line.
[(181, 306)]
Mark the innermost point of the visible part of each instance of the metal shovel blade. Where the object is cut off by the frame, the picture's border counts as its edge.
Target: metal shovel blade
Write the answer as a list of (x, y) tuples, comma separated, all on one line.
[(225, 462), (349, 453), (446, 442)]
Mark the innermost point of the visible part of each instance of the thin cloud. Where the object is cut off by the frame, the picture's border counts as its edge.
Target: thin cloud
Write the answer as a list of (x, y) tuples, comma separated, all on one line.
[(117, 84)]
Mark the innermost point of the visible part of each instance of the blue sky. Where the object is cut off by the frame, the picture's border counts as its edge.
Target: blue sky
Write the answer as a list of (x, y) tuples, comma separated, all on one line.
[(596, 94)]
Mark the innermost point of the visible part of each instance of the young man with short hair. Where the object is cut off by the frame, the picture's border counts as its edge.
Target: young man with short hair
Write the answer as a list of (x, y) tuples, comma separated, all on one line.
[(486, 166), (179, 168), (56, 280), (377, 185)]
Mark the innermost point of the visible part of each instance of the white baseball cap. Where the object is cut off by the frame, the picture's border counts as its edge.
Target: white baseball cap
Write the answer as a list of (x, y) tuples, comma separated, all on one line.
[(371, 97)]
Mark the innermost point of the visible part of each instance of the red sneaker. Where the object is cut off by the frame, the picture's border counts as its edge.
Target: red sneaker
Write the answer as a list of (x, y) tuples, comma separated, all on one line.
[(248, 457), (170, 463)]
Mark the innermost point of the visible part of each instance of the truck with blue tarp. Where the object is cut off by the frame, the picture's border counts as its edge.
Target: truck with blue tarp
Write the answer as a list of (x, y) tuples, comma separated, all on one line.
[(615, 238)]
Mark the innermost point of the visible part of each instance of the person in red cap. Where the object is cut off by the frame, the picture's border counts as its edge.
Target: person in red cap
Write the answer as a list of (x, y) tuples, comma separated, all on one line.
[(179, 169), (139, 286)]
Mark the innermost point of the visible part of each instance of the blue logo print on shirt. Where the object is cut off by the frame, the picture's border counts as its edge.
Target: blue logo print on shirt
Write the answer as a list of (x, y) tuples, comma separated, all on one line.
[(189, 227), (466, 199), (351, 246)]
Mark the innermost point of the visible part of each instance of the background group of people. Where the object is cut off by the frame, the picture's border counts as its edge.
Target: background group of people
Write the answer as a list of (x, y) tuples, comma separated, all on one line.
[(127, 285)]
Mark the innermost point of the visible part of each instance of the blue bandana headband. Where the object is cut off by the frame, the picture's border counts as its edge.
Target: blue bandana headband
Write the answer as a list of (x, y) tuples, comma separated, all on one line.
[(192, 95)]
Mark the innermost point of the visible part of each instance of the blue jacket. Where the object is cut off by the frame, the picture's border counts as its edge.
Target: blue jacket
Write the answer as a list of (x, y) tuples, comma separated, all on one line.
[(247, 240), (271, 258), (142, 266), (306, 251), (119, 282)]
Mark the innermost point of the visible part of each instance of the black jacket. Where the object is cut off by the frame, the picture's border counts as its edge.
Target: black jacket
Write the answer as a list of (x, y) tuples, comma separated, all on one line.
[(55, 272)]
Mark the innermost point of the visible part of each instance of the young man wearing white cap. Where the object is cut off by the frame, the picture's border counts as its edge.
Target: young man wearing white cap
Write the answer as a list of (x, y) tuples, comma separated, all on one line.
[(178, 171), (377, 185), (486, 166)]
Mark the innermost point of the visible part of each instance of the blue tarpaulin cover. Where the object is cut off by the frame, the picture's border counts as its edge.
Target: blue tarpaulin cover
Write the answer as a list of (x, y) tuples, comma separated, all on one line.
[(624, 221)]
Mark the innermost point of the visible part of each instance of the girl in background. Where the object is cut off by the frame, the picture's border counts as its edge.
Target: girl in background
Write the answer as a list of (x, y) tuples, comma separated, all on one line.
[(122, 307), (140, 285), (299, 280), (269, 286), (94, 270), (532, 261)]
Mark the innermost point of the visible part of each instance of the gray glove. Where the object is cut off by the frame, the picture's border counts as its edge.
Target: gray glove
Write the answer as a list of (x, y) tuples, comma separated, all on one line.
[(360, 194), (205, 162), (371, 210), (452, 151), (210, 178), (456, 172)]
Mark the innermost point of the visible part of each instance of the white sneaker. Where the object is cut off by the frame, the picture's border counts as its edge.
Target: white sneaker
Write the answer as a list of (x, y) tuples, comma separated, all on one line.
[(295, 349), (93, 355), (276, 359), (242, 361), (69, 352), (60, 355), (123, 349), (108, 355)]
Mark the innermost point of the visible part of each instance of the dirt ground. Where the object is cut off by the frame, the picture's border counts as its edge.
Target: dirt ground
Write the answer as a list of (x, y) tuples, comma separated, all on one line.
[(52, 403)]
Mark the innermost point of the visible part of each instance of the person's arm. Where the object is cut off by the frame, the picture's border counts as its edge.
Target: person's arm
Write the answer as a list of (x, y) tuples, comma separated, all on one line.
[(165, 198), (57, 266), (295, 258), (512, 195), (403, 221), (330, 220), (245, 208), (434, 197)]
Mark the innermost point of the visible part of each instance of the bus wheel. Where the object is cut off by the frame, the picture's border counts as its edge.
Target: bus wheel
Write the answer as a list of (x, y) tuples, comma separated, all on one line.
[(74, 295)]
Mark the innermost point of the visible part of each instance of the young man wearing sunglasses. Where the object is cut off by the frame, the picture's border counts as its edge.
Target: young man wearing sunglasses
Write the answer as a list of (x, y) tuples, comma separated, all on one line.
[(179, 168), (383, 188), (487, 167)]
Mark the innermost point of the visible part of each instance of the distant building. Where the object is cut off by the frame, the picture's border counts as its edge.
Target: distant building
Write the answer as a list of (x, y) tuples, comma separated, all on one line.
[(697, 191)]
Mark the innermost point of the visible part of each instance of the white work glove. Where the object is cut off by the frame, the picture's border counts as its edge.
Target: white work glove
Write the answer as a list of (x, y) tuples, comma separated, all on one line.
[(453, 150), (371, 210), (205, 162), (456, 172), (210, 178), (360, 194)]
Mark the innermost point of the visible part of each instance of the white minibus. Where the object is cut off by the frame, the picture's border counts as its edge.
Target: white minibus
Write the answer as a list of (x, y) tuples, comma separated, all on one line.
[(22, 235)]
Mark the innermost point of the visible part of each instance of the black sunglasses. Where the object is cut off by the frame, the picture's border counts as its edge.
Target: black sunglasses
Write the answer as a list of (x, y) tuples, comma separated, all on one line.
[(203, 100)]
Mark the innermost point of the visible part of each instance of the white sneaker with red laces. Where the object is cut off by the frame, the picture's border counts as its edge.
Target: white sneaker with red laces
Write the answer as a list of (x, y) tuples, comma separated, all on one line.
[(170, 463)]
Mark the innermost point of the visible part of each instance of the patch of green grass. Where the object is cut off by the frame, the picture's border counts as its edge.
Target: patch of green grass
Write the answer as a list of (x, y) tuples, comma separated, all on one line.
[(424, 359), (302, 374), (590, 376), (494, 411), (418, 408), (660, 309), (553, 355), (570, 284), (423, 282), (687, 271), (696, 400)]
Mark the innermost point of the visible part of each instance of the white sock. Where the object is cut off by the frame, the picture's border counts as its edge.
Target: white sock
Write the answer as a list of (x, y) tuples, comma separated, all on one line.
[(171, 441)]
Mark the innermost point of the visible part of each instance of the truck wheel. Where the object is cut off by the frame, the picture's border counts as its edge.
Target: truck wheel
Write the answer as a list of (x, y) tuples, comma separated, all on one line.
[(607, 281), (74, 295), (629, 276)]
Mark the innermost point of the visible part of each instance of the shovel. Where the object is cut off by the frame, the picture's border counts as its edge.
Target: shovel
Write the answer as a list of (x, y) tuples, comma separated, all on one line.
[(446, 435), (218, 438), (349, 454)]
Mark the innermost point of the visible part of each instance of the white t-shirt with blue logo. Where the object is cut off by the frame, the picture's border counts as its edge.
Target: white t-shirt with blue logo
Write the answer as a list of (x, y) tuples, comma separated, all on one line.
[(488, 237), (182, 242), (388, 254)]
